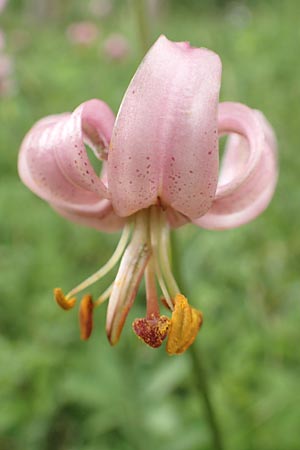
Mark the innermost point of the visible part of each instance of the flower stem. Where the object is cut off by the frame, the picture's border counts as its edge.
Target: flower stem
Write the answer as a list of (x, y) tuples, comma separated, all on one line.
[(201, 384), (199, 373), (140, 12), (133, 426)]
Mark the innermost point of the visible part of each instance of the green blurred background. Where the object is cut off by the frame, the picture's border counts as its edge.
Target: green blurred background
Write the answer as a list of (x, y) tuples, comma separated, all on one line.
[(57, 392)]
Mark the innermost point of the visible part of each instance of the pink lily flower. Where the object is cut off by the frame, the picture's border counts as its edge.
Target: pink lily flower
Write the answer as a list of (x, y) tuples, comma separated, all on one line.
[(160, 170)]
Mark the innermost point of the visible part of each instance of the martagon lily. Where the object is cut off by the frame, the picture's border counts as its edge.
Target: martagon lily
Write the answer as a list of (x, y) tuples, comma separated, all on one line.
[(160, 170)]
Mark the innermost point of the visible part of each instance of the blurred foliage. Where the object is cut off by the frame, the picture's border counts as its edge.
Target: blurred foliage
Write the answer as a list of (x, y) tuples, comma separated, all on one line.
[(59, 393)]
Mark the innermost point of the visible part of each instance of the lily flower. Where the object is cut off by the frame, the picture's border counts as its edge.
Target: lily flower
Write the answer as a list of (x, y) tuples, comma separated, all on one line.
[(160, 170)]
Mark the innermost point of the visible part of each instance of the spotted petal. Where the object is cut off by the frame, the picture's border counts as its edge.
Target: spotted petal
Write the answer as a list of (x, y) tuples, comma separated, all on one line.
[(102, 217), (249, 171), (54, 164), (164, 142)]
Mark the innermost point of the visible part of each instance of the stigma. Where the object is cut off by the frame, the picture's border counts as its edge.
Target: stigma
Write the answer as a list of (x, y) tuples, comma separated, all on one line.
[(143, 251)]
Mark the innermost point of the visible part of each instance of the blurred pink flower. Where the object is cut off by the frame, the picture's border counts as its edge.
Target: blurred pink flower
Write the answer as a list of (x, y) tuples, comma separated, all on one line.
[(238, 14), (2, 40), (101, 8), (7, 87), (20, 39), (2, 5), (116, 47), (6, 65), (160, 170), (7, 82), (82, 33)]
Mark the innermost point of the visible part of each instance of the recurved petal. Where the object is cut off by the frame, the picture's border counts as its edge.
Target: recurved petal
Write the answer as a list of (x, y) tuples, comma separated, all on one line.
[(53, 161), (249, 168), (164, 142), (100, 216)]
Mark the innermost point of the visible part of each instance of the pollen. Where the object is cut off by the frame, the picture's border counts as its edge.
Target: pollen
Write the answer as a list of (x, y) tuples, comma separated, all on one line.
[(152, 330), (86, 317), (185, 324), (64, 302)]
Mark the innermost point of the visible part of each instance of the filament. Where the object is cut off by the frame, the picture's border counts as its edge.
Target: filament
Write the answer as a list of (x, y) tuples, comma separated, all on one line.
[(151, 294), (154, 243), (103, 297), (107, 267), (164, 245)]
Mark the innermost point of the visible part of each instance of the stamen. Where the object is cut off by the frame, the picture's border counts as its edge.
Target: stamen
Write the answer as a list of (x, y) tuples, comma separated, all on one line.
[(86, 317), (153, 330), (163, 300), (154, 236), (164, 246), (103, 297), (64, 302), (151, 294), (185, 324), (107, 267)]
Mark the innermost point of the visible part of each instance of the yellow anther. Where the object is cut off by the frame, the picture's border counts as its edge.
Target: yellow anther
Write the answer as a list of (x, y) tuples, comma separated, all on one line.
[(185, 324), (64, 302), (86, 317)]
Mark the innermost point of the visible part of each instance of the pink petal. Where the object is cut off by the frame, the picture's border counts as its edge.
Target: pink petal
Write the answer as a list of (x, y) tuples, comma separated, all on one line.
[(249, 171), (164, 142), (175, 219), (53, 161), (102, 218)]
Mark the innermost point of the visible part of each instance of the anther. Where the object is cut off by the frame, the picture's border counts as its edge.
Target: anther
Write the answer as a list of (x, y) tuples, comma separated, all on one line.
[(86, 317), (153, 330), (185, 324), (63, 301)]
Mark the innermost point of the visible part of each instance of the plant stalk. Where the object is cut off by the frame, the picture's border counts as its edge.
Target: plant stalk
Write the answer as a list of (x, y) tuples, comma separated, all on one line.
[(199, 373), (201, 384)]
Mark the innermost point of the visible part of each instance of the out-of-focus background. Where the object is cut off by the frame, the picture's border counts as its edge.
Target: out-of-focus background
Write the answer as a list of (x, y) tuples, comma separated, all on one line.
[(57, 392)]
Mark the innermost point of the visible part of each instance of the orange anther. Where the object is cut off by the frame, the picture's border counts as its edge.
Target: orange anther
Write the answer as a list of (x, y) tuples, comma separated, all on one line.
[(62, 301), (86, 317)]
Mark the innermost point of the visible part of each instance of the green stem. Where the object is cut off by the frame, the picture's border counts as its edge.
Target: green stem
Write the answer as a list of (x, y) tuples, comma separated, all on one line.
[(201, 383), (199, 373), (139, 7), (133, 427)]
